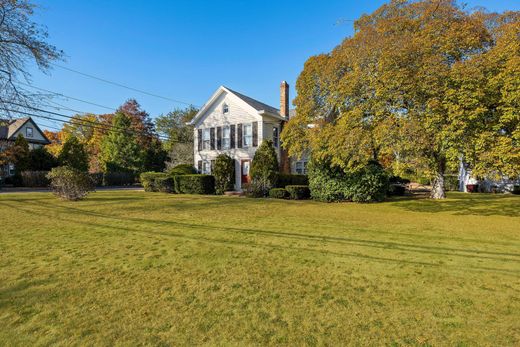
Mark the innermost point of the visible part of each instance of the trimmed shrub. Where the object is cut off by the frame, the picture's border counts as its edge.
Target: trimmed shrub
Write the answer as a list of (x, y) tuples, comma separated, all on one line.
[(298, 192), (291, 180), (69, 183), (264, 167), (35, 179), (516, 190), (194, 184), (224, 172), (332, 184), (182, 169), (157, 182), (278, 193), (254, 189)]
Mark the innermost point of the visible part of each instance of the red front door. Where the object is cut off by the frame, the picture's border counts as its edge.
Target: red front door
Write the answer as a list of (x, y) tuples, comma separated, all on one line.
[(244, 170)]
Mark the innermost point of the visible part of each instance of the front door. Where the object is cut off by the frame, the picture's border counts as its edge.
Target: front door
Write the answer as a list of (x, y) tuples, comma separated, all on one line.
[(244, 171)]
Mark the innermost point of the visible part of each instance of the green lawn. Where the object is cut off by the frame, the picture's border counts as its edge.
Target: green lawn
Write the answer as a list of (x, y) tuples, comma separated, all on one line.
[(126, 268)]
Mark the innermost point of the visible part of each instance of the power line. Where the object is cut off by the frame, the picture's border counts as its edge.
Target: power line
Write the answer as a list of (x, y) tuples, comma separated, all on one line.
[(69, 97), (123, 86), (76, 121)]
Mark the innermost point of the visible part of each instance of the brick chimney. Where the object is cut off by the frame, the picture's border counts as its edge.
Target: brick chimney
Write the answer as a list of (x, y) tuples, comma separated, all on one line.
[(285, 161), (284, 100)]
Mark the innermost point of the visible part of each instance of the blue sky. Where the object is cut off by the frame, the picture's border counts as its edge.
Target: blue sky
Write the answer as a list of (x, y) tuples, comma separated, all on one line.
[(185, 49)]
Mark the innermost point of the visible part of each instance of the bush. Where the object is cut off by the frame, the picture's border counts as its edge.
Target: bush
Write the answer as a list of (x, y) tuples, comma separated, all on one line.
[(35, 179), (398, 180), (74, 154), (291, 180), (118, 178), (194, 184), (451, 182), (157, 182), (264, 168), (182, 169), (97, 178), (278, 193), (516, 190), (333, 184), (224, 172), (253, 190), (298, 192), (41, 160), (69, 183)]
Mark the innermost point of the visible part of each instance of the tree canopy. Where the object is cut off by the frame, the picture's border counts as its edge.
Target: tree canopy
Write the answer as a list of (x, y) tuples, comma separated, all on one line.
[(418, 86)]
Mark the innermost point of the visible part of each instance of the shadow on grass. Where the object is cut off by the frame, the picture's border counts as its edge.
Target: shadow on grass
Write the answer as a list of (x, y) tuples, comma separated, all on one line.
[(384, 245), (463, 204)]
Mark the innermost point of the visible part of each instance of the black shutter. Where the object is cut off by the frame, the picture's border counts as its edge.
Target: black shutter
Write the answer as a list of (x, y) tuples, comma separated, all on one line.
[(212, 137), (219, 137), (199, 136), (255, 134), (199, 166), (232, 136), (240, 141)]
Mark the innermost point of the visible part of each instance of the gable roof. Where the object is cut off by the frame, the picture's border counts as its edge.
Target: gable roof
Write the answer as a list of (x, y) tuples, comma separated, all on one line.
[(260, 107), (257, 105), (11, 127)]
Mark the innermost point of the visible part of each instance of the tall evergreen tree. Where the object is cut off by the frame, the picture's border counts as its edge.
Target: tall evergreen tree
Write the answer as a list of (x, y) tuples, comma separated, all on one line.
[(120, 150), (74, 154)]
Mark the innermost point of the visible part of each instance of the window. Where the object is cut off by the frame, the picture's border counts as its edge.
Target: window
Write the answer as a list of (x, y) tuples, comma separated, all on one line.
[(206, 139), (206, 168), (225, 108), (11, 170), (301, 167), (29, 132), (226, 137), (248, 135), (275, 136)]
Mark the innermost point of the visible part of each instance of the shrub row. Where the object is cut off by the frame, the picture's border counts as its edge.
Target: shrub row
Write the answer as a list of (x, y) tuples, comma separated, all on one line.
[(284, 180), (179, 184), (333, 184), (35, 179)]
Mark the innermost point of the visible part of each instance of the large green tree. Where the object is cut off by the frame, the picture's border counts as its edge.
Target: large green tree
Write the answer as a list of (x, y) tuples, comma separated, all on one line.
[(120, 150), (413, 89), (74, 154)]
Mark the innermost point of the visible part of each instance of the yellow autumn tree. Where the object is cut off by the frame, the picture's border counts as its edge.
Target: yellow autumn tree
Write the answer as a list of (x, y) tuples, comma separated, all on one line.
[(392, 92)]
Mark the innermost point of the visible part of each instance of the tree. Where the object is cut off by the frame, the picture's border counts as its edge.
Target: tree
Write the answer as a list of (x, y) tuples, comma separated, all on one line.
[(394, 91), (155, 157), (120, 150), (41, 160), (74, 154), (224, 173), (264, 168), (180, 135), (18, 154), (21, 41)]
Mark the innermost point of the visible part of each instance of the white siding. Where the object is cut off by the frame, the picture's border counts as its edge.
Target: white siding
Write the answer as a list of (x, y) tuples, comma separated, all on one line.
[(37, 136)]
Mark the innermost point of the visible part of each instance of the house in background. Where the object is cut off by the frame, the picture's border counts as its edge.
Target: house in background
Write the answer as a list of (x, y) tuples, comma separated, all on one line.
[(236, 124), (11, 129), (487, 185)]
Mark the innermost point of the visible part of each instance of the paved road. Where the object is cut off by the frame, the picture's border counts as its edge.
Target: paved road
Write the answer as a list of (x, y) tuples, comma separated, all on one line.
[(36, 190)]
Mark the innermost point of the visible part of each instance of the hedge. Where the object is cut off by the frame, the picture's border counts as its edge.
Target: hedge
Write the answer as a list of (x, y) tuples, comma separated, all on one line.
[(182, 169), (298, 192), (35, 179), (157, 182), (291, 180), (194, 184), (333, 184), (278, 193)]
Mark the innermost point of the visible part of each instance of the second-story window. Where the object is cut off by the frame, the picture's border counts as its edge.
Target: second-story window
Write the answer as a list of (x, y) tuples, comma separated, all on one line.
[(225, 108), (29, 132), (248, 135), (226, 138), (206, 139), (275, 137)]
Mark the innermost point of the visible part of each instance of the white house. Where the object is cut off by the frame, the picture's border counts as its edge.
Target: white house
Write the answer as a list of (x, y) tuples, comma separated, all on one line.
[(501, 185), (235, 124), (11, 129)]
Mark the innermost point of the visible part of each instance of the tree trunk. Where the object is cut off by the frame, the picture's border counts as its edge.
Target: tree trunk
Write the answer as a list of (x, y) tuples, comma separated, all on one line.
[(438, 182)]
